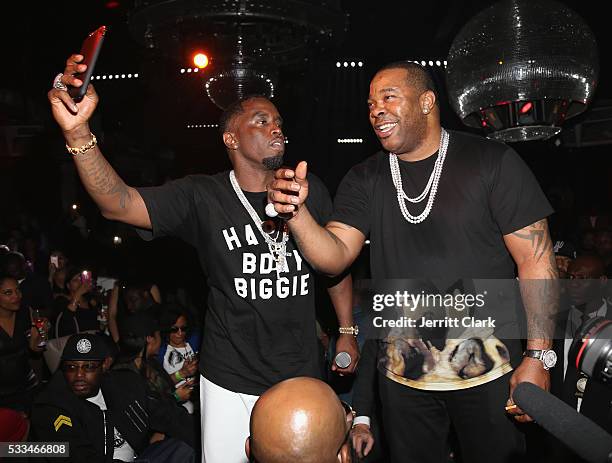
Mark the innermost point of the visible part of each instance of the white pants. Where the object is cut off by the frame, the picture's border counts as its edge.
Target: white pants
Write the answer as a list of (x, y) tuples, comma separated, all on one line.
[(225, 419)]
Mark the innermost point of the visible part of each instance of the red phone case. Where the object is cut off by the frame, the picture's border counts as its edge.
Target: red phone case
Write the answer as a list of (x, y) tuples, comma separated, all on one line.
[(90, 51)]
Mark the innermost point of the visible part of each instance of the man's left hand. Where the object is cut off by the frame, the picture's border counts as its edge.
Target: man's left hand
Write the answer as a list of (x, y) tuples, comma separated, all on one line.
[(347, 343), (531, 371)]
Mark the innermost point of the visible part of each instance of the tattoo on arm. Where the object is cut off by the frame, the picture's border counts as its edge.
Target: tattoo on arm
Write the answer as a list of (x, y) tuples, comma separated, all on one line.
[(101, 179), (541, 244), (539, 237), (334, 237)]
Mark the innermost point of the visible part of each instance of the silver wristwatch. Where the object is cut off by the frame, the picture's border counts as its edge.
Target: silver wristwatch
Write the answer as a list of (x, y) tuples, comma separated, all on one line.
[(547, 357)]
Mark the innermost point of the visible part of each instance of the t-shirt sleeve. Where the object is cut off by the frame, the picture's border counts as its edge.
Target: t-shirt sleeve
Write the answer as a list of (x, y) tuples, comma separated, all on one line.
[(319, 200), (353, 203), (516, 199), (172, 210)]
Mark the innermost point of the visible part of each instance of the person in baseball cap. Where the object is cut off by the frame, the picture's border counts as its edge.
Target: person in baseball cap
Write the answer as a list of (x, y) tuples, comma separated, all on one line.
[(565, 252), (82, 363)]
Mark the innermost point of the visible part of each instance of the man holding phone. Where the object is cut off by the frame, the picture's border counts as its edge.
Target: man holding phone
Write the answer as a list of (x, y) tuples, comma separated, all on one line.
[(260, 322)]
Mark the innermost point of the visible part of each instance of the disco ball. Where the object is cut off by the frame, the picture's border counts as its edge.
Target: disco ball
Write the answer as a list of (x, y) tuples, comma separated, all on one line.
[(225, 87), (520, 68)]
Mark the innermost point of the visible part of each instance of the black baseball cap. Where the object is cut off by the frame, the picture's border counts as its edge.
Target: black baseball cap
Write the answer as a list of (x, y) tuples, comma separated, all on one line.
[(565, 249), (85, 346)]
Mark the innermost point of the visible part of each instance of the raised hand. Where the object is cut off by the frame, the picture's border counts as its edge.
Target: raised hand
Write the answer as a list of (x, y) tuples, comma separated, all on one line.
[(69, 114)]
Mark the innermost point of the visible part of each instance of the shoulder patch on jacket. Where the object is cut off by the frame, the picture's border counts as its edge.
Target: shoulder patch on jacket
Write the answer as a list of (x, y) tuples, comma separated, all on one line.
[(61, 420)]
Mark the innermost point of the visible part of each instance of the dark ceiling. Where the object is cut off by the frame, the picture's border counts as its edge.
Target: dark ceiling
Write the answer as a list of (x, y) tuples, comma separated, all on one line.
[(146, 118)]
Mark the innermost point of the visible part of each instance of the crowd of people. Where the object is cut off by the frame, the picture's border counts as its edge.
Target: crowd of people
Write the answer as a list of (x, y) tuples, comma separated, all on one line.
[(122, 373)]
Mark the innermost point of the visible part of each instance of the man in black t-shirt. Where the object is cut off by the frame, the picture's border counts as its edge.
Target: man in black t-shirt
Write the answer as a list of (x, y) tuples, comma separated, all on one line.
[(260, 322), (435, 205)]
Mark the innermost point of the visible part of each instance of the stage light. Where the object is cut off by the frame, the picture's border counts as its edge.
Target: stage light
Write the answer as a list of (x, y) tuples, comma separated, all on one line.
[(74, 207), (117, 240), (200, 60)]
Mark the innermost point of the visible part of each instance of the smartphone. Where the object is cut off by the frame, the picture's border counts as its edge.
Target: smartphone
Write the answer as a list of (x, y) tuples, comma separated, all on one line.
[(90, 51), (55, 261), (85, 276)]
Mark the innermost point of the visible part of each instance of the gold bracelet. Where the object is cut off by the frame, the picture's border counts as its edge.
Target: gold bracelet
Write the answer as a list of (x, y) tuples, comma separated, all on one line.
[(83, 149), (354, 330)]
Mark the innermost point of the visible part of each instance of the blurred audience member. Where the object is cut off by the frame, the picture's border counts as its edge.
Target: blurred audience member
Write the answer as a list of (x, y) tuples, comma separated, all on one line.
[(138, 348), (78, 309), (129, 298), (594, 217), (17, 338), (603, 247), (586, 290), (178, 354), (565, 252), (587, 242), (35, 290), (57, 273), (299, 420)]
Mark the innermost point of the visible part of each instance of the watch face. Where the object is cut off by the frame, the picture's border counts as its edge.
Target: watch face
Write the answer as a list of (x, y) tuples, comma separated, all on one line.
[(549, 358)]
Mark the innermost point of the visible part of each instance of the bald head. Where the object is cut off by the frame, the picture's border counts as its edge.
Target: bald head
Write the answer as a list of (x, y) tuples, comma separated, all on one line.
[(298, 420)]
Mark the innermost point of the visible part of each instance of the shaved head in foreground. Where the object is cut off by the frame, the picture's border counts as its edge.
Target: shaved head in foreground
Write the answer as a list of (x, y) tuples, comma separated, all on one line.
[(299, 420)]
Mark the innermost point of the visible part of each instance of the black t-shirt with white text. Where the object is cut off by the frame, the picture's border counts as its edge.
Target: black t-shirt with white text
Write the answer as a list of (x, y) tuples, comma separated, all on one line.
[(259, 327)]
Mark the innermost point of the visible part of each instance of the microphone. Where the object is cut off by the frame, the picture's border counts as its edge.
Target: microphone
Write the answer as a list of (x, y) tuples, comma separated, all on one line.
[(579, 433), (343, 359)]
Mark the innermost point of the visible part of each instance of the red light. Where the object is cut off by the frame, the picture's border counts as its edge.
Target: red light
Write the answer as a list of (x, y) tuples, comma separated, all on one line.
[(484, 123), (112, 4), (200, 60), (526, 107)]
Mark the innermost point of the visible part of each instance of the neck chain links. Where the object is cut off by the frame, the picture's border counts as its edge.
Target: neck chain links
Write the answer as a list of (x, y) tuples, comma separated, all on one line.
[(278, 249), (431, 188)]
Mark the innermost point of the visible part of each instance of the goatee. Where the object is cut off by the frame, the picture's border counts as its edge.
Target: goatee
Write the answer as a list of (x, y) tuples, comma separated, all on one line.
[(273, 162)]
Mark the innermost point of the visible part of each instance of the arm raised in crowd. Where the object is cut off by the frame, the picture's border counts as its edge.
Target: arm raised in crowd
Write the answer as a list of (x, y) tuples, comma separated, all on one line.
[(329, 249), (116, 200)]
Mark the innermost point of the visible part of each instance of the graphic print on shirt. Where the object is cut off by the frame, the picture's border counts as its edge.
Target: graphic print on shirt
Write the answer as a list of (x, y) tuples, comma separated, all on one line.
[(259, 278), (119, 440)]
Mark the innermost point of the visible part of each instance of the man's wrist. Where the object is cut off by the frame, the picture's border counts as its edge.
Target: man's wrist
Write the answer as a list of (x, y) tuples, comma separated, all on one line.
[(78, 136), (545, 357), (351, 330), (365, 420)]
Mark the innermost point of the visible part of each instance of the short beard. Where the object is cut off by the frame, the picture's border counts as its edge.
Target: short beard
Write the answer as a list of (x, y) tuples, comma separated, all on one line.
[(273, 162)]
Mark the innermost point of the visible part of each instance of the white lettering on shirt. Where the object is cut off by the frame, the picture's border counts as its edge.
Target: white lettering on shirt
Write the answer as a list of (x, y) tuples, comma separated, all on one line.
[(231, 239)]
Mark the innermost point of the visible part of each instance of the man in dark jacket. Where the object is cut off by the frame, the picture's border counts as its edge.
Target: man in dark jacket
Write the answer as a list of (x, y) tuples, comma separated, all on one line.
[(104, 416)]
